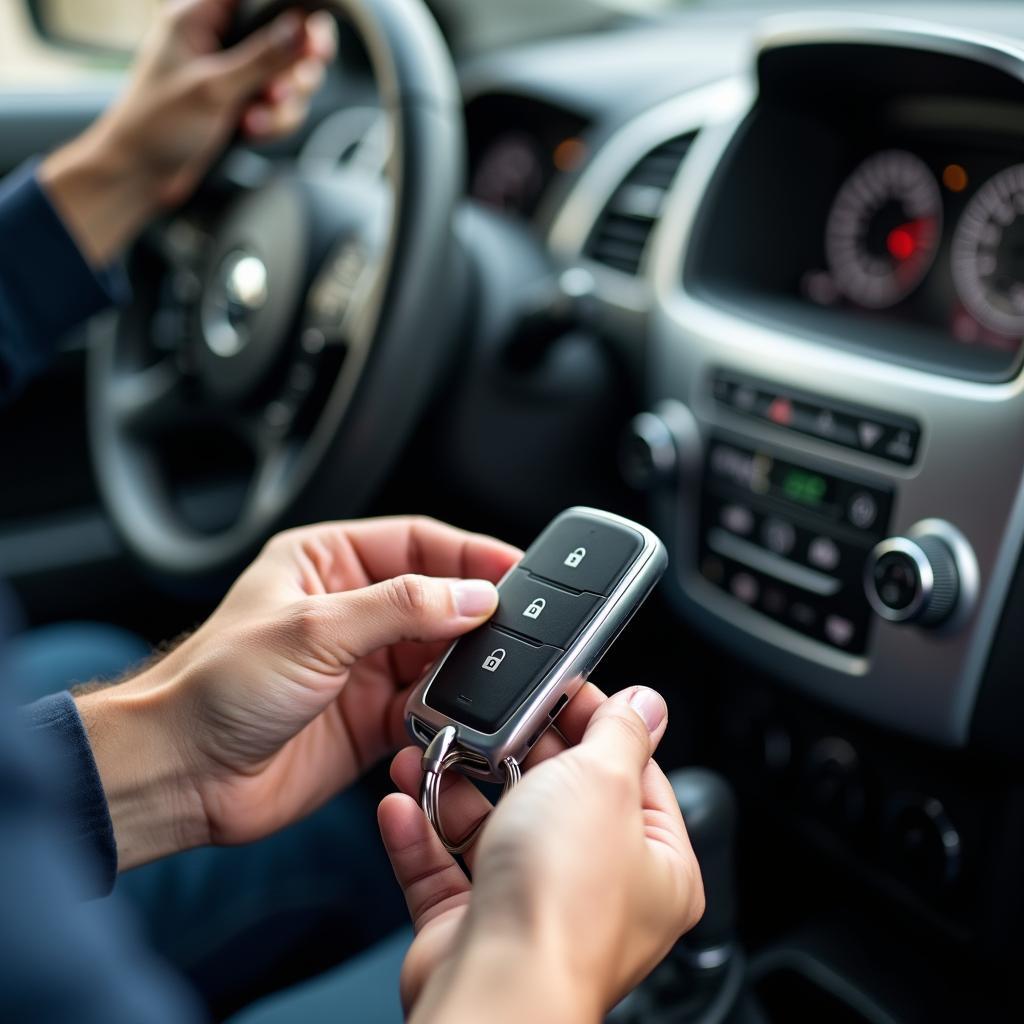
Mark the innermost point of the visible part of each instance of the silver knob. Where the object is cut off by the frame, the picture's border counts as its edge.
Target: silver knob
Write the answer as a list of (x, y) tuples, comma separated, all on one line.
[(926, 577)]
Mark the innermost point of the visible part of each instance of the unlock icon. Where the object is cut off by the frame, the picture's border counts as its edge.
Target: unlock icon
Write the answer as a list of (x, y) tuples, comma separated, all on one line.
[(534, 609), (575, 557), (493, 661)]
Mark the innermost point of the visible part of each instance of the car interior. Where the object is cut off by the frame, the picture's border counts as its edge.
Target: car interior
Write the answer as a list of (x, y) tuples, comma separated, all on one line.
[(750, 273)]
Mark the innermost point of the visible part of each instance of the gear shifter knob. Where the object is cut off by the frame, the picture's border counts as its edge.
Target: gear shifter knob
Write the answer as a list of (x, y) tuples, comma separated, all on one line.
[(709, 810)]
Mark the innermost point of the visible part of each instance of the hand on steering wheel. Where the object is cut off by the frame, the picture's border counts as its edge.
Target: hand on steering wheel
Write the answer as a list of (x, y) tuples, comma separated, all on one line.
[(184, 100)]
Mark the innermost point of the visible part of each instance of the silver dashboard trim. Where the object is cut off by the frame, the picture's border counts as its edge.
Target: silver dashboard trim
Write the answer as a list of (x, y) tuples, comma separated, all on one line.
[(607, 170)]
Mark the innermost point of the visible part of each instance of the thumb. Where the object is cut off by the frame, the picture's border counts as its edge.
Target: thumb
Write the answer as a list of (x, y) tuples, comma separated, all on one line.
[(409, 608), (247, 66), (627, 727)]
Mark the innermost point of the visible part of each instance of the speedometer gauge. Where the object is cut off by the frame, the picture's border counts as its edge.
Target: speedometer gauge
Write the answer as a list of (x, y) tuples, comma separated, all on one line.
[(883, 229), (988, 253)]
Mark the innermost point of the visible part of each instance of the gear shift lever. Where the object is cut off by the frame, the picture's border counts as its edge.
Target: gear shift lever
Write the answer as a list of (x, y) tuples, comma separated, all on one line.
[(709, 810), (701, 980)]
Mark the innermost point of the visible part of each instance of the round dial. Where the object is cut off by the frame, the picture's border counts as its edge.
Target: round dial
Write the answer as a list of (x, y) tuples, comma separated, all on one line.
[(883, 229), (510, 174), (988, 253)]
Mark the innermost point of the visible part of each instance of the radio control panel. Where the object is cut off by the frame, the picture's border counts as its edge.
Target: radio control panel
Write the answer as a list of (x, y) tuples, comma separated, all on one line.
[(790, 540)]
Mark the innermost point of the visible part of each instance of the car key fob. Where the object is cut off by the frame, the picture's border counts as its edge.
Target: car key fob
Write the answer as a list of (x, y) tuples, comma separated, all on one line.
[(497, 689)]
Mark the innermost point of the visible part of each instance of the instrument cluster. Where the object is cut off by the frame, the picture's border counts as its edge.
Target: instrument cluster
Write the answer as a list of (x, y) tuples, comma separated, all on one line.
[(931, 236)]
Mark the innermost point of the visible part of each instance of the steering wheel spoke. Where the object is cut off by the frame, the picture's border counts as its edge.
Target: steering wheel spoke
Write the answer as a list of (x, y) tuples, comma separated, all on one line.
[(152, 400)]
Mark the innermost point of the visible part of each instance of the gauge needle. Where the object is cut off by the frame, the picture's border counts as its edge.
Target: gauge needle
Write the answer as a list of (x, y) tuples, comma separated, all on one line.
[(903, 241)]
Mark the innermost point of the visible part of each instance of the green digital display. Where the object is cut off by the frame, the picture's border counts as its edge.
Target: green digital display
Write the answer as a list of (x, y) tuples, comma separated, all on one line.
[(806, 488)]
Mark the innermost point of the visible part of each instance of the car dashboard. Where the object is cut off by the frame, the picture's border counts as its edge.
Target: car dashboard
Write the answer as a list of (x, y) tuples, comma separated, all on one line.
[(809, 254)]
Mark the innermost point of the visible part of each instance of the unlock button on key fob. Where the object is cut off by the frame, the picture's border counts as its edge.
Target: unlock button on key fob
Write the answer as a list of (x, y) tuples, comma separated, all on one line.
[(542, 612), (487, 675)]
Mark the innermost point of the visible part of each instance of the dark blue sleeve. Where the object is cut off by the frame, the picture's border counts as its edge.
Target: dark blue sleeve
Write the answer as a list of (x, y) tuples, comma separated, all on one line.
[(46, 285), (85, 819), (65, 959)]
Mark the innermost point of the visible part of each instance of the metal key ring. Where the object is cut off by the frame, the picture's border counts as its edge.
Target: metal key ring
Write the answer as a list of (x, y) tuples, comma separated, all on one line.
[(440, 755)]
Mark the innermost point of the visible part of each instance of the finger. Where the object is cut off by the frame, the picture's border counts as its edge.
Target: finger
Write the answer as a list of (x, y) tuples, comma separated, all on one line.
[(627, 727), (245, 68), (569, 726), (332, 555), (389, 547), (463, 806), (408, 607), (265, 121), (321, 37), (429, 877), (299, 82)]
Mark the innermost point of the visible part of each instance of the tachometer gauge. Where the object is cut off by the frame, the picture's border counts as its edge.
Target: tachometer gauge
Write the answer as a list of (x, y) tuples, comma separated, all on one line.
[(988, 253), (883, 229)]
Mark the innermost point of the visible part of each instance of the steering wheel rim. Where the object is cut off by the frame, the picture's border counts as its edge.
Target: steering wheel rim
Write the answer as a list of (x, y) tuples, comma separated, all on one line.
[(369, 413)]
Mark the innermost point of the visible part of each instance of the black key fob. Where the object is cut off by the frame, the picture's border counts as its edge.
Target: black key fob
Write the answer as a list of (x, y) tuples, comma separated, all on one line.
[(498, 689)]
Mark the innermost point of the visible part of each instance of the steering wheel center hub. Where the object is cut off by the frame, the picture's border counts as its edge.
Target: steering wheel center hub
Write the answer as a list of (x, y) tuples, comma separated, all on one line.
[(253, 289), (239, 292)]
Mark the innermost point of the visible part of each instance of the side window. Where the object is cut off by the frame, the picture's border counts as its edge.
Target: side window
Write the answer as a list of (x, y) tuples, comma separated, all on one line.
[(56, 43)]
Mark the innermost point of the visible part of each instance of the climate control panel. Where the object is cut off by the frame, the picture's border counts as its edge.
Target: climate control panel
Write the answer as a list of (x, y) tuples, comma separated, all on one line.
[(791, 540)]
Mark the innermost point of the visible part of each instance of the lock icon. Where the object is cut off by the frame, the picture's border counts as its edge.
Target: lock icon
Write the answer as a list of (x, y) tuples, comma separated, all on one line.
[(534, 609), (494, 660), (575, 557)]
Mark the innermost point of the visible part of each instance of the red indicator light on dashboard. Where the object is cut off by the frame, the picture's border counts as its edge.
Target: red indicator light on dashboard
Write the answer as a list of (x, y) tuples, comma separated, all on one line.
[(901, 242), (781, 412)]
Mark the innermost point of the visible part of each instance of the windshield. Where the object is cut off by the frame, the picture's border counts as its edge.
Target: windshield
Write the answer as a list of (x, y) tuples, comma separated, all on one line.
[(473, 26)]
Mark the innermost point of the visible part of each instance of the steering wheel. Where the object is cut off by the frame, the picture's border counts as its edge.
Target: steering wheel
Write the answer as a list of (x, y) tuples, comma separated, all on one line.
[(307, 315)]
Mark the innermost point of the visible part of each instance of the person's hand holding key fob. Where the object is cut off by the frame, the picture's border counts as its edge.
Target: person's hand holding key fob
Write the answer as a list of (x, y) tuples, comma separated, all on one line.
[(497, 689)]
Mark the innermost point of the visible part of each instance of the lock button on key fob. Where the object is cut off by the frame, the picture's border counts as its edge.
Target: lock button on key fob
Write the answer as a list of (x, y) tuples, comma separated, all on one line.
[(542, 612), (584, 553), (487, 676)]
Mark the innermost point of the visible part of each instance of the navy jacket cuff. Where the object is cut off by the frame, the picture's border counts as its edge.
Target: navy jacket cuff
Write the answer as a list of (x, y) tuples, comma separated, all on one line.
[(46, 285), (85, 813)]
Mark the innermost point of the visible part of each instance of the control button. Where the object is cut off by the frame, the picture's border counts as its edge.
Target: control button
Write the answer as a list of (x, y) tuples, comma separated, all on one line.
[(744, 398), (737, 519), (778, 536), (542, 612), (745, 588), (869, 434), (823, 553), (780, 412), (834, 783), (913, 579), (584, 553), (862, 510), (487, 676), (922, 842), (901, 446), (803, 615), (839, 631)]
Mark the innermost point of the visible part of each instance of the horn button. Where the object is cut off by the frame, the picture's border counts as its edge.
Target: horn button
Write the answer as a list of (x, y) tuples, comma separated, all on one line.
[(253, 290)]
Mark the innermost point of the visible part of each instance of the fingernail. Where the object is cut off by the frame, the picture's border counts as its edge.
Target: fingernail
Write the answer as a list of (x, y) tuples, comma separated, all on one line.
[(650, 706), (288, 29), (474, 598)]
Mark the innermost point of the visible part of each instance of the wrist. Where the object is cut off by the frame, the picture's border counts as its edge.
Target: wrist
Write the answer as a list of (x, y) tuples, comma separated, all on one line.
[(135, 732), (506, 980), (102, 194)]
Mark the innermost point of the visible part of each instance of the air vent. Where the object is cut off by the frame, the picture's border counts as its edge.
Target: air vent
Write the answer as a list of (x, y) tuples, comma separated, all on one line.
[(625, 225)]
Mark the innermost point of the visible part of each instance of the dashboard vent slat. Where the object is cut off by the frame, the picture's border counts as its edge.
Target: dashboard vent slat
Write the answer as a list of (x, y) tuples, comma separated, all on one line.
[(621, 233)]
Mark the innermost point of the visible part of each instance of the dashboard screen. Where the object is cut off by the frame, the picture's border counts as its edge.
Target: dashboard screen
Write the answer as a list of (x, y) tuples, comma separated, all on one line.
[(927, 233), (893, 225)]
